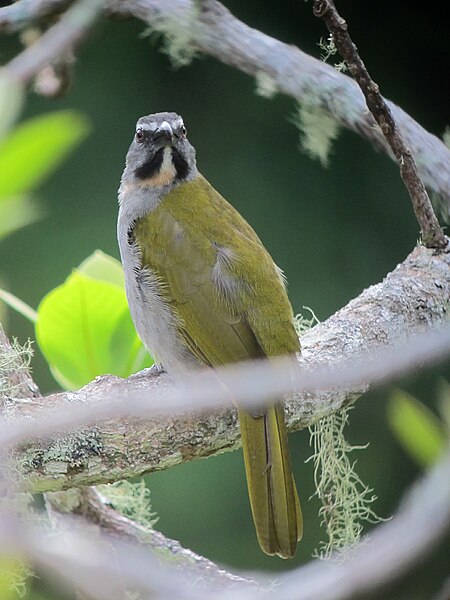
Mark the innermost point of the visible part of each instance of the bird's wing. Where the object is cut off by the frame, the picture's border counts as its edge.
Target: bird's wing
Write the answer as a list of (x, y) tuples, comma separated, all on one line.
[(223, 284)]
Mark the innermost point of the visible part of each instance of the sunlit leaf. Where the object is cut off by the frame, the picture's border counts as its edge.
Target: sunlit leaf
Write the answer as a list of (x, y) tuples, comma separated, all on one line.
[(103, 267), (84, 327), (416, 428), (35, 148)]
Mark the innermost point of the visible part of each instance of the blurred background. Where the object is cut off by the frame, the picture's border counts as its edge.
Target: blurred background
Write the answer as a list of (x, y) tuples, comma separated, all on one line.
[(333, 230)]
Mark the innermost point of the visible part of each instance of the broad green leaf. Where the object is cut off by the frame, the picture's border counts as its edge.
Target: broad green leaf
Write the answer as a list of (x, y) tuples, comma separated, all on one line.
[(11, 100), (16, 213), (103, 267), (416, 428), (35, 148), (84, 329)]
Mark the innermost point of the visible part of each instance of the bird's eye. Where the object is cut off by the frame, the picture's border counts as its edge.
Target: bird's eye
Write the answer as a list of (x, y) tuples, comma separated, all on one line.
[(140, 135), (183, 131)]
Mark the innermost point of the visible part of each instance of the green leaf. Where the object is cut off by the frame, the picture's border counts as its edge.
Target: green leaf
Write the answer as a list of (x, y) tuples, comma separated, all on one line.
[(35, 148), (84, 327), (103, 267), (416, 428)]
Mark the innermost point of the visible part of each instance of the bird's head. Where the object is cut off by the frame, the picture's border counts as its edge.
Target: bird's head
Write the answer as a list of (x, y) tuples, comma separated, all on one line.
[(160, 153)]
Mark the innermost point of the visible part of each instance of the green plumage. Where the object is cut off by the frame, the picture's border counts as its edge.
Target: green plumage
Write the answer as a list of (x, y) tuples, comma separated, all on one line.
[(230, 305)]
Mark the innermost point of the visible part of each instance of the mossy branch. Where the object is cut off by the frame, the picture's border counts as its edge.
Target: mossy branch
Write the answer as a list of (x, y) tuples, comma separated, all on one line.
[(96, 508), (412, 298)]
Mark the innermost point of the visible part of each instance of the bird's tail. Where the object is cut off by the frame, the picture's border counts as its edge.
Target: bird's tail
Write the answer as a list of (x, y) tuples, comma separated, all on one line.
[(273, 497)]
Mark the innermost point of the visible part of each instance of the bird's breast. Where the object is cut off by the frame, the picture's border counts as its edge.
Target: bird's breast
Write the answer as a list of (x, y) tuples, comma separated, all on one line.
[(154, 317)]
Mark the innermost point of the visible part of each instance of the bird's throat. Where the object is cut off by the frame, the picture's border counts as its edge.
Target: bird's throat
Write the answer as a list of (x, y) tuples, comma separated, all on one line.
[(164, 168)]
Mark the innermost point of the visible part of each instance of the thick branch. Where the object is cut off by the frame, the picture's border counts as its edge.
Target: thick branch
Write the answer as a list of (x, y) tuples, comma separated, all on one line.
[(87, 502), (216, 32), (413, 297), (431, 231)]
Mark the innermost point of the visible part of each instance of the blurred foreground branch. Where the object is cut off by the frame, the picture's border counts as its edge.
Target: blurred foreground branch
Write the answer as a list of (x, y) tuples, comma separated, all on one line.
[(208, 27), (96, 550), (413, 298), (87, 504), (59, 39), (104, 566)]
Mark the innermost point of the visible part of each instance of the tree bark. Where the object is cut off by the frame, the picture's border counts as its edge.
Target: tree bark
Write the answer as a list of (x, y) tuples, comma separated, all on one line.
[(413, 298)]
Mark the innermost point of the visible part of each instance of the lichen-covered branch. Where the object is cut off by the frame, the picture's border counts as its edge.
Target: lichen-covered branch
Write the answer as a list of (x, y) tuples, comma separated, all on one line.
[(208, 27), (87, 502), (414, 297)]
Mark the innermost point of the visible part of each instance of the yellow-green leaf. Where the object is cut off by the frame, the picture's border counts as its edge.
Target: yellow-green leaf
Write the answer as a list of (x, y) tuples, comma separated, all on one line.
[(416, 428), (35, 148), (103, 267), (84, 329)]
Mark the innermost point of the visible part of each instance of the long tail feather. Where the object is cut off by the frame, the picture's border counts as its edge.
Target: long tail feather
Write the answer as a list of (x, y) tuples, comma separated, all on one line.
[(273, 496)]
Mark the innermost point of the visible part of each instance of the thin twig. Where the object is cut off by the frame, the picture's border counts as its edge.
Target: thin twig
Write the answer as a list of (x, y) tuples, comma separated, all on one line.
[(432, 234), (59, 39)]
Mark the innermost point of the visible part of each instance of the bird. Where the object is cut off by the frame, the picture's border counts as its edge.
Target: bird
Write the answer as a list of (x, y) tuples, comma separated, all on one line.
[(204, 292)]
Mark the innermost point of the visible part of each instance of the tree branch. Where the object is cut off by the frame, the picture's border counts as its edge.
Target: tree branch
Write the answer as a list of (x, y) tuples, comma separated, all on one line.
[(88, 503), (216, 32), (411, 298), (64, 36), (432, 233), (22, 13)]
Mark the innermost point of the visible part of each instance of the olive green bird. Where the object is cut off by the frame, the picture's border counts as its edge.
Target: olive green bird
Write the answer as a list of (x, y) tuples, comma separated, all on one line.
[(203, 291)]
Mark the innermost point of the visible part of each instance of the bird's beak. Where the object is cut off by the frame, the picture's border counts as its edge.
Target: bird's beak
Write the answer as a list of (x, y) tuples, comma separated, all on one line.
[(164, 134)]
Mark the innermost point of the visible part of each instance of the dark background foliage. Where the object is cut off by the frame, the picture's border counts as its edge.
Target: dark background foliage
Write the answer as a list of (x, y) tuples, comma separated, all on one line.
[(333, 230)]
